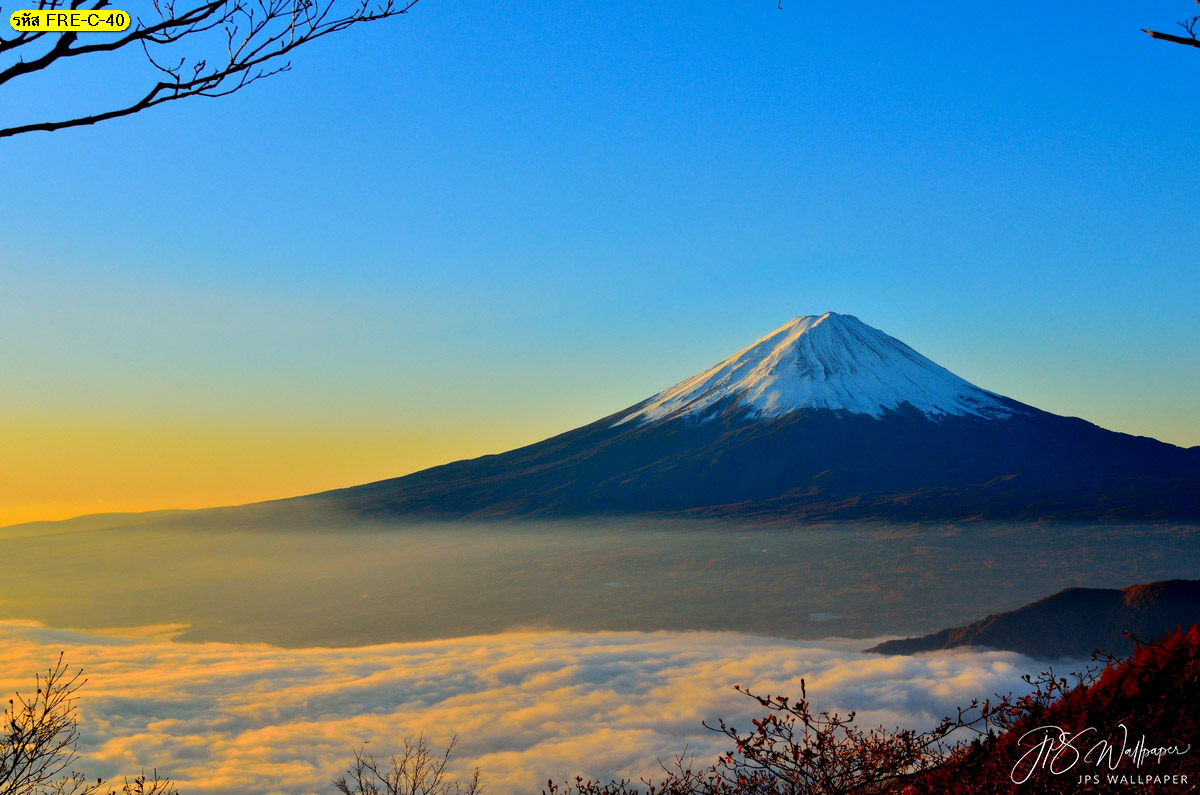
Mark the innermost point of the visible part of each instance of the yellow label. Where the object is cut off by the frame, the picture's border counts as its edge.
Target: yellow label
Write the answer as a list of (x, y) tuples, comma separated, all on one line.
[(72, 21)]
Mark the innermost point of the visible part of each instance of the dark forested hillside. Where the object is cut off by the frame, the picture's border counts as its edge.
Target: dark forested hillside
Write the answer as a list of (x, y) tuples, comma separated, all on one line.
[(1072, 623)]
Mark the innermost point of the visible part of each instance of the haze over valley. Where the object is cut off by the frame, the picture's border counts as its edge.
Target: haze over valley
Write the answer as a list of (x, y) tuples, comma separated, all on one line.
[(310, 584)]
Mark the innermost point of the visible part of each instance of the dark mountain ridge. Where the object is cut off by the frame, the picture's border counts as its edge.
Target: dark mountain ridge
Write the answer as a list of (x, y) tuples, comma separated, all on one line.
[(811, 464), (826, 418), (1073, 622)]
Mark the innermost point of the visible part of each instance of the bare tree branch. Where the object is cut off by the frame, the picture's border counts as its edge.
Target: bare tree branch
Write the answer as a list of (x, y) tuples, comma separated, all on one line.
[(1189, 27), (39, 738), (1177, 39), (417, 770), (210, 48)]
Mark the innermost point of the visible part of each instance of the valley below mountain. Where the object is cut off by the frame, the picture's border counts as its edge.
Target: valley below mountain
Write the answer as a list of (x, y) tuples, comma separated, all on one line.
[(826, 480), (307, 580)]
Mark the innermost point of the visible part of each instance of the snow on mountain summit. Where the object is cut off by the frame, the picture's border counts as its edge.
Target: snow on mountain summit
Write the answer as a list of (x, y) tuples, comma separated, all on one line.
[(827, 361)]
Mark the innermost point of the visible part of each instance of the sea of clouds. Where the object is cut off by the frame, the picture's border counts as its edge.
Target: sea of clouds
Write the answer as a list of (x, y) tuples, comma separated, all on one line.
[(223, 718)]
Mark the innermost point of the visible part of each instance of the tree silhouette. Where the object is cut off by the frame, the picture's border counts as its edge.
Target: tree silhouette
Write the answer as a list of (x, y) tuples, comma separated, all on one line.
[(416, 770), (1189, 27), (195, 48), (39, 738), (796, 750)]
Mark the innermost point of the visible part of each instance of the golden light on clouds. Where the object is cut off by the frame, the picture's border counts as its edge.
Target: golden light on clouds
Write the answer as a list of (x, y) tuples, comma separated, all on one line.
[(527, 706)]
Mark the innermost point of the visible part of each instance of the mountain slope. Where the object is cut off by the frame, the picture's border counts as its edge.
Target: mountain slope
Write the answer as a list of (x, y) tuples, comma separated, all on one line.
[(824, 418), (1073, 622)]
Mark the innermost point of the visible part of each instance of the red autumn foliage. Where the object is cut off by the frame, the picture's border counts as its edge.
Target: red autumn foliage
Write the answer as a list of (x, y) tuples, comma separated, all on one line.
[(1135, 719), (1138, 720)]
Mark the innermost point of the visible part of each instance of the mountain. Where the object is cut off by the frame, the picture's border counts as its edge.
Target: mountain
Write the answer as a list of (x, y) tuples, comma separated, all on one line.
[(824, 418), (1073, 623), (833, 362)]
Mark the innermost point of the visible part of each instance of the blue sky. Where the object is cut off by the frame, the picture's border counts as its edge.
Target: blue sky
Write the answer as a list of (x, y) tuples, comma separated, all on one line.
[(481, 224)]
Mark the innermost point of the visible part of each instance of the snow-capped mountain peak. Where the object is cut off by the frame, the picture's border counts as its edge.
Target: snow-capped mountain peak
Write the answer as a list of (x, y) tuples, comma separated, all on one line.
[(827, 361)]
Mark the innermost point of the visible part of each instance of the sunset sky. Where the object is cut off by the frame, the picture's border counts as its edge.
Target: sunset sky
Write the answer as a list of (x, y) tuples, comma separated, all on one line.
[(482, 224)]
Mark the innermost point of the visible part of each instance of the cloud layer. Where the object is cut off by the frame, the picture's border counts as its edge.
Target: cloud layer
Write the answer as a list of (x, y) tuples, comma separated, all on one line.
[(235, 718)]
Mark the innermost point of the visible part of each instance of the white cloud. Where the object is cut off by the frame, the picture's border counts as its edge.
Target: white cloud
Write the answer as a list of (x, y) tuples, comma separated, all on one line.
[(225, 718)]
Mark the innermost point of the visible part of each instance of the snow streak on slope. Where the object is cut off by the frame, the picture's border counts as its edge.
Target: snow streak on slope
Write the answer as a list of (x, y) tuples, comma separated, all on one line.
[(829, 361)]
